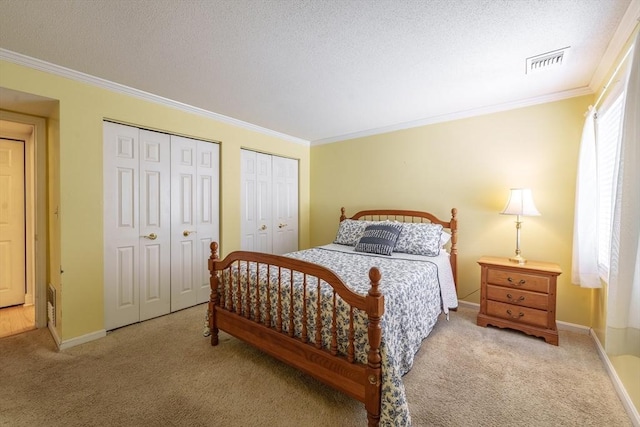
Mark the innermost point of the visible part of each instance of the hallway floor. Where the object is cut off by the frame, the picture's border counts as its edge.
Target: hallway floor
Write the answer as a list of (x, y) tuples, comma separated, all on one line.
[(17, 319)]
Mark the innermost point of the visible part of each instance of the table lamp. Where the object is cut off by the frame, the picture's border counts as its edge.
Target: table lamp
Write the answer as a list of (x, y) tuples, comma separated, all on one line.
[(520, 203)]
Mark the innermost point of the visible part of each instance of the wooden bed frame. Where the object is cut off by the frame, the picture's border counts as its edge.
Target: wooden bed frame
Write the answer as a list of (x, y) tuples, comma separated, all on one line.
[(242, 317)]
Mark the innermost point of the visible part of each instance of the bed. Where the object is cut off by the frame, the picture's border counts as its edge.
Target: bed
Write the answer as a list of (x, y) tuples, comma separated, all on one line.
[(352, 313)]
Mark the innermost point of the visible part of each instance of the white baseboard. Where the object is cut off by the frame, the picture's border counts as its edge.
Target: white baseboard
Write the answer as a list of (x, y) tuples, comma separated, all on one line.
[(81, 339), (617, 384), (573, 327)]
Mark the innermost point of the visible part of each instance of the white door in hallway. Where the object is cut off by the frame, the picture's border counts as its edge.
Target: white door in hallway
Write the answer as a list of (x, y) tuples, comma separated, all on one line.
[(12, 223)]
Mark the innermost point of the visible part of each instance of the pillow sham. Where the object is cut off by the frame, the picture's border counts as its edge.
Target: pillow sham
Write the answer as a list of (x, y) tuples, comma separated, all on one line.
[(349, 232), (419, 238), (379, 238)]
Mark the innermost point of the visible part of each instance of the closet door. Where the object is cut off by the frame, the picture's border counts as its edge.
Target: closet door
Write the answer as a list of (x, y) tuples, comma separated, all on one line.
[(248, 184), (208, 208), (155, 225), (161, 210), (136, 224), (285, 205), (256, 200), (269, 198), (183, 222), (194, 218), (264, 206), (121, 229)]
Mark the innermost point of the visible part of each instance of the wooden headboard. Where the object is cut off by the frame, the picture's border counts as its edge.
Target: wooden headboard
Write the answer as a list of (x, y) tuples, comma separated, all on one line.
[(416, 216)]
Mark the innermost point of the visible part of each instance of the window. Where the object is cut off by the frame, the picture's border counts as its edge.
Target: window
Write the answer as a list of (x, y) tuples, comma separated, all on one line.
[(608, 128)]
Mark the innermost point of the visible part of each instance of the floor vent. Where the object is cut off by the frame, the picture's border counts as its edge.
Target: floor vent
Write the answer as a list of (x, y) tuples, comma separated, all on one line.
[(546, 60), (51, 304)]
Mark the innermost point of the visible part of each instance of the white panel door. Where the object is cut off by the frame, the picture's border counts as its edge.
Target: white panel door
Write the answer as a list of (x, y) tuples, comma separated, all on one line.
[(285, 205), (161, 213), (155, 224), (12, 223), (184, 245), (256, 187), (264, 204), (121, 229), (136, 224), (269, 197), (208, 208), (248, 185)]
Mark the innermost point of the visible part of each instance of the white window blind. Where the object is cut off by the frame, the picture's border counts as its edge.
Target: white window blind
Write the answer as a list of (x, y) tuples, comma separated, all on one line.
[(608, 126)]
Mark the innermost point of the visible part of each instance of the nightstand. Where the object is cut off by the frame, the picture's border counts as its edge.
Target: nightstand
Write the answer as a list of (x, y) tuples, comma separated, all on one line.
[(519, 296)]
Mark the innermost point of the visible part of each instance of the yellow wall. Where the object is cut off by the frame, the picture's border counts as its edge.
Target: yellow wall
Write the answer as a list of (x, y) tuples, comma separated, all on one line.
[(469, 164), (53, 181), (75, 141)]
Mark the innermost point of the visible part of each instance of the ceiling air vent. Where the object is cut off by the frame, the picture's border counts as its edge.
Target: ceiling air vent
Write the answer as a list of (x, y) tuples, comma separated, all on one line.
[(546, 61)]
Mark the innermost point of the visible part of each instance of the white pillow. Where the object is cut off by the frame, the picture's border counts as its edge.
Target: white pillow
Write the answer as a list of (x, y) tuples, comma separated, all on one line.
[(444, 238)]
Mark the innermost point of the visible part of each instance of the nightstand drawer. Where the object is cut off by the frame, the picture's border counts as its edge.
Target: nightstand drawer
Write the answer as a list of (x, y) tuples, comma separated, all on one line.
[(514, 296), (516, 280), (517, 314)]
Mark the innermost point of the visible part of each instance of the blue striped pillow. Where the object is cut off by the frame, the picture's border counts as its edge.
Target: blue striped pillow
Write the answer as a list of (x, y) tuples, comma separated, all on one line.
[(379, 238)]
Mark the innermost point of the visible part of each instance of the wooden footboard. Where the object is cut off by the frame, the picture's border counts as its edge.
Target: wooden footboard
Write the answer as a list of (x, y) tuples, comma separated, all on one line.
[(304, 315), (279, 305)]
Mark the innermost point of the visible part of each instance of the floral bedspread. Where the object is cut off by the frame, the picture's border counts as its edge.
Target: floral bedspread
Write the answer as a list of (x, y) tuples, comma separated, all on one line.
[(413, 302), (416, 290)]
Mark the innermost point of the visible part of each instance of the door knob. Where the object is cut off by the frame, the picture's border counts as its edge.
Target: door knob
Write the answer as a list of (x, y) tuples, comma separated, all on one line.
[(264, 227), (152, 236), (186, 233), (282, 225)]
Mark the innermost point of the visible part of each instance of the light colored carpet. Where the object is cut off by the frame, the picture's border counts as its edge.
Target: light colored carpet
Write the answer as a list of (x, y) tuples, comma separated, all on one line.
[(164, 373)]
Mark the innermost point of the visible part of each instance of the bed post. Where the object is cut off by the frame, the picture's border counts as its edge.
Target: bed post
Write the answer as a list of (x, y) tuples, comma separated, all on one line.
[(375, 310), (214, 299), (454, 245), (342, 215)]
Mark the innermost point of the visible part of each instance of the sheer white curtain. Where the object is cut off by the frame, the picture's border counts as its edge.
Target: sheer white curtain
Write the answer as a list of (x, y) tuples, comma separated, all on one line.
[(584, 268), (624, 270)]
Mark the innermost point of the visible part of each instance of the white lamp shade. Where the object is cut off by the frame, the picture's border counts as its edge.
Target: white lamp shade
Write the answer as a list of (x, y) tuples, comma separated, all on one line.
[(520, 203)]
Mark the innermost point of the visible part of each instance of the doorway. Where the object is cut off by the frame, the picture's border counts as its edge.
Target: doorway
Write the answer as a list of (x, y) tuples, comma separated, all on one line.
[(22, 226)]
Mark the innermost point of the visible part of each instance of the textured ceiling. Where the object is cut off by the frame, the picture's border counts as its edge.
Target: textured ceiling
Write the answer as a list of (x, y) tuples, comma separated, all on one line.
[(321, 70)]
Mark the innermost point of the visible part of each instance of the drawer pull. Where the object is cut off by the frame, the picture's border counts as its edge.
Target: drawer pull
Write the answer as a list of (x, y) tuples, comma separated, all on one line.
[(514, 317), (520, 282), (510, 297)]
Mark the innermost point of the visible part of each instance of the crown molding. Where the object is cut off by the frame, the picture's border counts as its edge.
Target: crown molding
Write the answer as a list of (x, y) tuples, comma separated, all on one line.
[(558, 96), (78, 76), (58, 70)]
